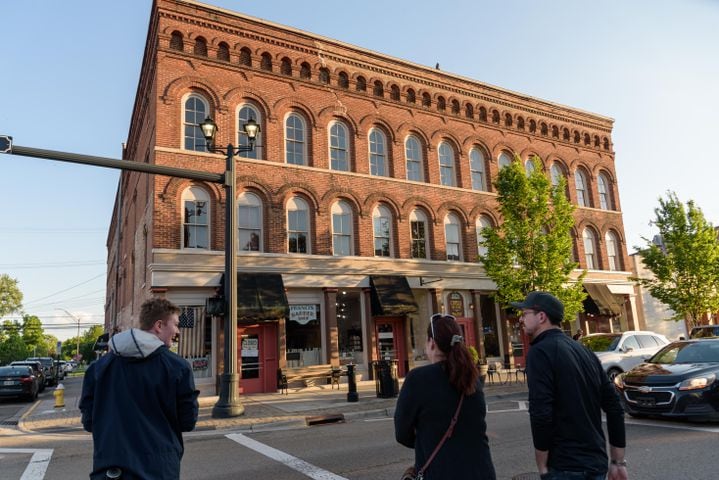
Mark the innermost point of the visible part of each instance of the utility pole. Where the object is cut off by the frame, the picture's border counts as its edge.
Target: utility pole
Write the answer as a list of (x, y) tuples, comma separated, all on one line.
[(77, 319)]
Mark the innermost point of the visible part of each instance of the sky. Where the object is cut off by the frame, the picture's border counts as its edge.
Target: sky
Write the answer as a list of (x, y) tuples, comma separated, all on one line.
[(69, 72)]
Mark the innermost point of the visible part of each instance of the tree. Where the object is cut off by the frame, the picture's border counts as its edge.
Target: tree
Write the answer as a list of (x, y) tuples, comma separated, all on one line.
[(33, 335), (684, 260), (10, 295), (12, 347), (532, 247), (87, 342)]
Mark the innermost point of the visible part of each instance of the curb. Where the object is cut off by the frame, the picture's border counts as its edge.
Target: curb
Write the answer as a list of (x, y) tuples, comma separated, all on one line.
[(21, 421)]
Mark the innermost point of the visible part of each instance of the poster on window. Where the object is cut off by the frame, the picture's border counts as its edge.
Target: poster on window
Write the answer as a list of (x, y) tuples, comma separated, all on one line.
[(303, 314), (251, 347)]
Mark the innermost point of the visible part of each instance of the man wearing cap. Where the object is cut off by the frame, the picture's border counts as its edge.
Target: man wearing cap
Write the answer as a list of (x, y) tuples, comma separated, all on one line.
[(568, 389)]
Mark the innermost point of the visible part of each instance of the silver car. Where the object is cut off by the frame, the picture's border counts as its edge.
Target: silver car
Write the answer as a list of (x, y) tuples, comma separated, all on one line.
[(620, 352)]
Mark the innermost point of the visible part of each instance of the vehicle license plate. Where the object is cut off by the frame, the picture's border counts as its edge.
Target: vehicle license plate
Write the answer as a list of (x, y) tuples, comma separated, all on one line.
[(646, 401), (8, 382)]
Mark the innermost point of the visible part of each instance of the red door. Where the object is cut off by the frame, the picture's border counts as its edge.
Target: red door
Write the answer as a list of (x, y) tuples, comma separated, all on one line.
[(389, 332), (466, 324), (258, 354)]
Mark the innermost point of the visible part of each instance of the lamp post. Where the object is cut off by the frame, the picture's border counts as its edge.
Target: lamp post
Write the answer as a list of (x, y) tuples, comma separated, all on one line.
[(228, 405), (77, 319)]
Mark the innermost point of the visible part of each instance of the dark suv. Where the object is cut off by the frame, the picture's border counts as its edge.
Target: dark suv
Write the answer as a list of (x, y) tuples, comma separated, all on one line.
[(704, 331), (49, 369), (37, 370)]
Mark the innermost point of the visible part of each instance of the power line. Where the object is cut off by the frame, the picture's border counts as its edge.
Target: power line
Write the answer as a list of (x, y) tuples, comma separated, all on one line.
[(49, 265), (51, 230), (65, 290)]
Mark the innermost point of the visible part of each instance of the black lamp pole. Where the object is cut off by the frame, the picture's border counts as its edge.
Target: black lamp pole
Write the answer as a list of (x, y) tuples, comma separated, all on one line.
[(229, 405)]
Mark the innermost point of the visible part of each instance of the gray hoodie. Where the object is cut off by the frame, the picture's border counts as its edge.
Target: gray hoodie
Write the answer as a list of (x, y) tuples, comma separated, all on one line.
[(134, 343)]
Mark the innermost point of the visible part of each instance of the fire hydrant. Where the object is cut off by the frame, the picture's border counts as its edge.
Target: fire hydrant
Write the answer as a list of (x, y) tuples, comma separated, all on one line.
[(59, 394)]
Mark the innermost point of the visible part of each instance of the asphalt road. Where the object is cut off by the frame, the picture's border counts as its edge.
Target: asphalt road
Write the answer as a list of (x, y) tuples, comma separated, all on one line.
[(364, 450)]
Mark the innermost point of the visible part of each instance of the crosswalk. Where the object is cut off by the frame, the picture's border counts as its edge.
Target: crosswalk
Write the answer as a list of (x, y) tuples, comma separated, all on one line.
[(37, 466)]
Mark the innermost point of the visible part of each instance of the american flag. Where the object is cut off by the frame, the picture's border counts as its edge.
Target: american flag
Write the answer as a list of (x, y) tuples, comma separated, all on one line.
[(187, 318)]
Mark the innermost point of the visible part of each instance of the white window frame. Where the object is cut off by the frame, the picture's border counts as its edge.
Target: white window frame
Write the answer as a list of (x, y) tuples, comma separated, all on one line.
[(242, 139), (477, 170), (482, 222), (339, 146), (377, 152), (382, 231), (295, 207), (504, 159), (612, 243), (197, 138), (580, 183), (446, 164), (419, 217), (529, 166), (556, 172), (413, 158), (453, 237), (342, 229), (295, 140), (249, 221), (195, 194), (590, 249), (603, 190)]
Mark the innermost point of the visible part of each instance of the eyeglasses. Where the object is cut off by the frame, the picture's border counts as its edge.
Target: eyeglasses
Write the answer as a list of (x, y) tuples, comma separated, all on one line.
[(527, 312), (438, 315)]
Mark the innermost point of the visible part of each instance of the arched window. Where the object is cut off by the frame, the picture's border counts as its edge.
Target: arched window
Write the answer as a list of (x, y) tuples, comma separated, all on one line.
[(176, 42), (339, 147), (377, 153), (483, 114), (411, 96), (543, 129), (452, 237), (295, 143), (361, 84), (446, 165), (520, 123), (418, 234), (529, 166), (565, 134), (596, 141), (576, 137), (196, 109), (378, 89), (580, 181), (590, 249), (426, 100), (223, 52), (286, 66), (394, 92), (413, 157), (382, 231), (532, 126), (341, 229), (605, 198), (482, 222), (557, 172), (587, 139), (495, 117), (477, 170), (305, 71), (195, 218), (324, 76), (455, 107), (246, 57), (246, 113), (266, 62), (613, 257), (441, 104), (469, 110), (343, 80), (505, 160), (200, 47), (508, 119), (605, 144), (298, 226), (555, 131), (249, 222)]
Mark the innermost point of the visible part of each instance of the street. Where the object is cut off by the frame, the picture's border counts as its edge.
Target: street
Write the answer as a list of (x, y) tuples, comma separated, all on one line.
[(359, 450)]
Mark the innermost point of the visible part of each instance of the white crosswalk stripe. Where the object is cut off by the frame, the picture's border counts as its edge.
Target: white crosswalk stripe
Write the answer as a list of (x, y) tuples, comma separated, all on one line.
[(38, 463)]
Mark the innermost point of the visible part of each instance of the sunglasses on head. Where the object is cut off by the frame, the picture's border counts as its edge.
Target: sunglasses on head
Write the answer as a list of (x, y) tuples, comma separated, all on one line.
[(438, 315)]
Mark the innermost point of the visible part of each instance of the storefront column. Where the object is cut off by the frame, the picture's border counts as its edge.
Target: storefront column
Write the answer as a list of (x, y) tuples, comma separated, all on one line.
[(435, 296), (478, 322), (332, 334), (630, 307), (371, 339)]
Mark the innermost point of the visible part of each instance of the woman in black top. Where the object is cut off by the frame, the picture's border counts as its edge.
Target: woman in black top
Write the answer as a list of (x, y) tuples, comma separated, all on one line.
[(428, 400)]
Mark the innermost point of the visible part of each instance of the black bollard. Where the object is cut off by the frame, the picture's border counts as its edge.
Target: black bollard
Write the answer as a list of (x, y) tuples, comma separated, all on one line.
[(351, 384)]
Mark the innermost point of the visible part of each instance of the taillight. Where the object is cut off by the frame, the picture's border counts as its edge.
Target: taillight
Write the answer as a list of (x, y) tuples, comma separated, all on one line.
[(27, 379)]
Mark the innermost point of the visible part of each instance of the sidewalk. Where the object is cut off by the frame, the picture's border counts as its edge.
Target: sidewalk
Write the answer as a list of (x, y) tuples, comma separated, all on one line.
[(269, 410)]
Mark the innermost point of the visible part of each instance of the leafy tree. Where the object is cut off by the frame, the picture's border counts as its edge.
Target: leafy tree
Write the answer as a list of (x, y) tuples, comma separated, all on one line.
[(531, 249), (12, 347), (685, 262), (33, 335), (87, 342), (10, 295)]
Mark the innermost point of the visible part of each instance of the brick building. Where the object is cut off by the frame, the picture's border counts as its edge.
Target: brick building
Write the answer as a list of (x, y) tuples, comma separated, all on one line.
[(361, 205)]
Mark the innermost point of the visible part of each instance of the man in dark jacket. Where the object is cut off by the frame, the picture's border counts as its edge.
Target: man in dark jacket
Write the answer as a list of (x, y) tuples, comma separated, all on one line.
[(568, 389), (139, 398)]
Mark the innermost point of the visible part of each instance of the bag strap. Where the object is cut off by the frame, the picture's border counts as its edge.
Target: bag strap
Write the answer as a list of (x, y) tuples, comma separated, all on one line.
[(447, 434)]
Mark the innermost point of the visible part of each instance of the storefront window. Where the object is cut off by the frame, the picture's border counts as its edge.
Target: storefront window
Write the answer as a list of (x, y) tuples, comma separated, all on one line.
[(304, 336), (489, 320), (195, 340), (349, 325)]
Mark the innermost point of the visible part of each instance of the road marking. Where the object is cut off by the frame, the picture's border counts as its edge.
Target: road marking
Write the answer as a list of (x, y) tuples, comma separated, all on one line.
[(656, 423), (285, 458), (38, 463)]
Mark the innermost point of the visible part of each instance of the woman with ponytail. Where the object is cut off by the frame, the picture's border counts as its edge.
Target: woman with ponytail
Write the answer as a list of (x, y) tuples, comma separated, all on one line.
[(436, 395)]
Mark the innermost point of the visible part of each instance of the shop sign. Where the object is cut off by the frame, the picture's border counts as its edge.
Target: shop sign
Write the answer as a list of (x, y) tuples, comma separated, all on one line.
[(303, 314), (251, 347), (456, 304)]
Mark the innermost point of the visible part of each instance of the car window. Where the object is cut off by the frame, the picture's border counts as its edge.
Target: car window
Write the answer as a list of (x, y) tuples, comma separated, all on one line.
[(647, 341), (17, 370), (631, 342), (601, 343), (694, 352)]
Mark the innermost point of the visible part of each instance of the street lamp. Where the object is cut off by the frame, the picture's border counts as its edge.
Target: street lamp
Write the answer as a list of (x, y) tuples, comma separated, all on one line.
[(77, 319), (228, 405)]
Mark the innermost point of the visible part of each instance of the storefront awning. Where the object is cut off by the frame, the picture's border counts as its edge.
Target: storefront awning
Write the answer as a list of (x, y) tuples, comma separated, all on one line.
[(261, 296), (605, 300), (391, 295)]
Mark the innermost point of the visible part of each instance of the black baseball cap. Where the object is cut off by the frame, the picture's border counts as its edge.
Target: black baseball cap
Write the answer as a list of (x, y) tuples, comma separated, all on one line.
[(543, 302)]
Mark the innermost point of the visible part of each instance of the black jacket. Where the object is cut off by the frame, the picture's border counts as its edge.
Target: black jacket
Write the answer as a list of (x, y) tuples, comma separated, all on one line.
[(568, 389), (424, 410)]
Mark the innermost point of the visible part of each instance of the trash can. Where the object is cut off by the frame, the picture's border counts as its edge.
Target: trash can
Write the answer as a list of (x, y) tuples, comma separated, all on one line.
[(385, 377)]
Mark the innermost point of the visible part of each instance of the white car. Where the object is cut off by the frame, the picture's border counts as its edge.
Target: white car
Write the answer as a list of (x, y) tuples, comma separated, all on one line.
[(620, 352)]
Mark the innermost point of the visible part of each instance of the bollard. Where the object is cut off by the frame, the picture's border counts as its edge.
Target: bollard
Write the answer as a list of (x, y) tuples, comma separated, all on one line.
[(351, 384), (59, 394)]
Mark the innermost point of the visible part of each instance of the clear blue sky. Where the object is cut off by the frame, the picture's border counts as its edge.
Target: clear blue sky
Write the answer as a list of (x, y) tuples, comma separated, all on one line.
[(69, 72)]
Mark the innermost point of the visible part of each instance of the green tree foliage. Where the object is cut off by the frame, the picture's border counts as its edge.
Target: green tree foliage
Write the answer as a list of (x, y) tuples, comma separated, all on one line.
[(10, 295), (531, 249), (12, 347), (33, 335), (87, 342), (685, 263)]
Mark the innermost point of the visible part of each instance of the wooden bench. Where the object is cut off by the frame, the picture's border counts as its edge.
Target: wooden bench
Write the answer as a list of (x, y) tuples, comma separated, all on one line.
[(309, 376)]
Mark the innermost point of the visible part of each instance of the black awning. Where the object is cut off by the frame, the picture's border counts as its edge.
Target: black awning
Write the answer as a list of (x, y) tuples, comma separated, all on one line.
[(261, 296), (391, 295)]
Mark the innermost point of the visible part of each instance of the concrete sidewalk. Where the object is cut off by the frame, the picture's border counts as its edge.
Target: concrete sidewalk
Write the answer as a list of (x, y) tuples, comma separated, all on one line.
[(268, 410)]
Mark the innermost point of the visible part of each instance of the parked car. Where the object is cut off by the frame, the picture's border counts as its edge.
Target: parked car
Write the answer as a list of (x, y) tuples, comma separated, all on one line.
[(620, 352), (704, 331), (37, 370), (48, 365), (18, 381), (681, 380), (60, 368)]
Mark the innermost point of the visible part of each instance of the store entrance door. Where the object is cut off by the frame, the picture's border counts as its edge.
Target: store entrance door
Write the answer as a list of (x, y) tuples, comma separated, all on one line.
[(258, 352), (389, 332)]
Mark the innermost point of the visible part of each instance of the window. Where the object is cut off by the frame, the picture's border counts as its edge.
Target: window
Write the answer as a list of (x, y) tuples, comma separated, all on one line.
[(482, 223), (200, 47), (411, 96), (245, 57), (298, 226), (223, 52), (195, 218), (341, 229), (343, 80), (476, 170), (455, 107), (249, 222), (382, 226), (495, 117), (508, 119), (446, 164), (426, 100), (305, 71), (266, 62), (580, 181), (532, 126), (469, 111), (196, 110), (418, 233), (413, 155), (520, 123), (451, 235), (529, 166), (377, 153), (557, 172), (295, 140), (286, 67), (441, 104), (176, 42), (612, 251), (247, 113), (590, 255), (378, 89), (505, 160), (339, 150), (394, 92), (483, 114), (605, 202), (361, 84), (324, 76)]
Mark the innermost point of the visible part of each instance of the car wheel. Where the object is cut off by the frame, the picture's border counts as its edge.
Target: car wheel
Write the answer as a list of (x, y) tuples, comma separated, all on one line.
[(612, 373)]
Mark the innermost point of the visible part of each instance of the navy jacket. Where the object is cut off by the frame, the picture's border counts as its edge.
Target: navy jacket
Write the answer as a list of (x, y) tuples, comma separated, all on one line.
[(137, 400), (424, 410)]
